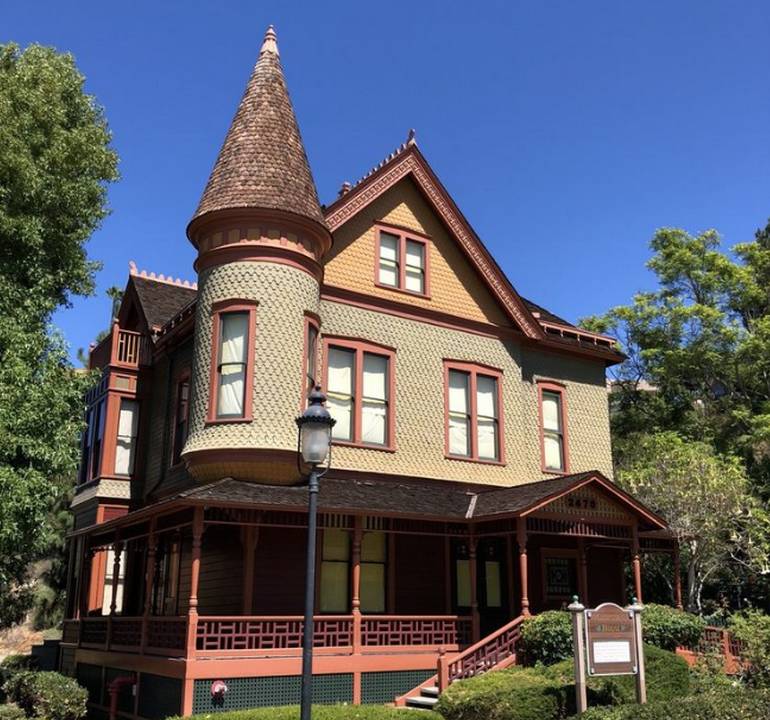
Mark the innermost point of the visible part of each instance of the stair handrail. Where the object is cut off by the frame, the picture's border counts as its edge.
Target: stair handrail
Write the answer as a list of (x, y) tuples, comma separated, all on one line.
[(495, 650)]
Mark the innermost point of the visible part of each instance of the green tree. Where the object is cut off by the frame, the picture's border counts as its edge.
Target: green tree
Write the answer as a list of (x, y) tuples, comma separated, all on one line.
[(706, 499), (55, 162)]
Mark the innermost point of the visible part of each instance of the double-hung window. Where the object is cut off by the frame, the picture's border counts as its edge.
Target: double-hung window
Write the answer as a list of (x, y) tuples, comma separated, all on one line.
[(232, 361), (374, 556), (97, 440), (402, 262), (335, 571), (181, 418), (359, 391), (553, 430), (473, 412), (125, 446)]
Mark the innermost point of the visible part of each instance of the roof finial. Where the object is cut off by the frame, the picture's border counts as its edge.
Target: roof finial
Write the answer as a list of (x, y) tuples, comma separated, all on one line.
[(345, 189), (270, 43), (410, 137)]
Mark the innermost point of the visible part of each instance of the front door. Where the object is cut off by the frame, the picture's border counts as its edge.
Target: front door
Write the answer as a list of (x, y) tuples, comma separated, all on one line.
[(492, 584)]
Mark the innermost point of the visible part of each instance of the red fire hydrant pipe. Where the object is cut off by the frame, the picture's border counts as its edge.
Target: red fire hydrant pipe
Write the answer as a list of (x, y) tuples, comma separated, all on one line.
[(114, 690)]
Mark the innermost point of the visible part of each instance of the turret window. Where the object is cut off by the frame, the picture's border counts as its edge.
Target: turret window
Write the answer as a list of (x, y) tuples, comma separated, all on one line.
[(359, 386), (233, 361), (473, 412), (402, 261), (311, 358)]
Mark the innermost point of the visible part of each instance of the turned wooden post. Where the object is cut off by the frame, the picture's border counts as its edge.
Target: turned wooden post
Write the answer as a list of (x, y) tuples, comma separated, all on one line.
[(195, 569), (356, 582), (117, 551), (442, 670), (636, 563), (149, 578), (521, 537), (475, 617)]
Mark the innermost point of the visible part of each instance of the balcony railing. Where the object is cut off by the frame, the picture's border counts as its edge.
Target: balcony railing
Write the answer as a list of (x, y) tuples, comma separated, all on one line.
[(269, 635), (121, 347)]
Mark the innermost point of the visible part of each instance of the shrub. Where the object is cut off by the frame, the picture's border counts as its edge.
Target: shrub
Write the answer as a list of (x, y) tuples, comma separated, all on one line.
[(667, 675), (320, 712), (726, 704), (668, 628), (752, 628), (12, 664), (514, 694), (11, 712), (546, 638), (47, 695)]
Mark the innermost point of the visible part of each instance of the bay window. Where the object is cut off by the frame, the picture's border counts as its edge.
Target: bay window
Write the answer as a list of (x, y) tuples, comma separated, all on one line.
[(125, 446), (402, 261), (473, 412), (232, 361), (97, 439), (553, 432), (181, 416), (359, 391)]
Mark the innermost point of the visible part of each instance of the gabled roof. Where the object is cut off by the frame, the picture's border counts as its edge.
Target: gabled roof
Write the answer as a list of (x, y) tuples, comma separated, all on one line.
[(408, 161), (262, 163), (160, 298)]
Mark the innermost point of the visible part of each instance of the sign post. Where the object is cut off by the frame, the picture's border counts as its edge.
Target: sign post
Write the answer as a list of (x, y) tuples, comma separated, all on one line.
[(607, 641), (581, 695)]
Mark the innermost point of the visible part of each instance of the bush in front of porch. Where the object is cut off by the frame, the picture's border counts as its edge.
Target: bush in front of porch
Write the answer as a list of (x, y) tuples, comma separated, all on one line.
[(320, 712)]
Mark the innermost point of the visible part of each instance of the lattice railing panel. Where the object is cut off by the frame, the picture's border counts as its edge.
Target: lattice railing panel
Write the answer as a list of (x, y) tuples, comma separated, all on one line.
[(167, 633), (126, 632), (377, 631), (218, 634), (70, 631), (93, 631)]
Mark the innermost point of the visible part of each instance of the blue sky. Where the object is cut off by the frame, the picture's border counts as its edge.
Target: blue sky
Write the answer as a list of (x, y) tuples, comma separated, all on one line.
[(566, 131)]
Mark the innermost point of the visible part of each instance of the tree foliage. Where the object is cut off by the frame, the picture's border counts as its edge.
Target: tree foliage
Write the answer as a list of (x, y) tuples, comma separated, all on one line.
[(55, 161)]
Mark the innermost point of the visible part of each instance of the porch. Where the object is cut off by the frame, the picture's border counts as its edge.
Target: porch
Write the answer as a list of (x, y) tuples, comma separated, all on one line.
[(209, 584)]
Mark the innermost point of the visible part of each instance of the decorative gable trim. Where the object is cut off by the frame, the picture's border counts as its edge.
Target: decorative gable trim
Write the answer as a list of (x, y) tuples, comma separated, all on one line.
[(410, 161)]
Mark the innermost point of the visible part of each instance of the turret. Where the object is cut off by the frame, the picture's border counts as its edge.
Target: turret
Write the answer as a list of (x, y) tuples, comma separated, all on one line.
[(260, 237)]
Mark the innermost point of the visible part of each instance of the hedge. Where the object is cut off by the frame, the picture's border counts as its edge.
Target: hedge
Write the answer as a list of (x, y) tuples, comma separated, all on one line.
[(727, 704), (47, 695), (11, 712), (668, 628), (320, 712), (667, 676), (546, 638), (514, 694)]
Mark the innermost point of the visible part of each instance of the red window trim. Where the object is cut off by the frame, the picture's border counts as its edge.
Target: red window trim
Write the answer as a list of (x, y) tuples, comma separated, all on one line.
[(403, 235), (475, 369), (360, 346), (184, 376), (311, 320), (560, 390), (218, 309)]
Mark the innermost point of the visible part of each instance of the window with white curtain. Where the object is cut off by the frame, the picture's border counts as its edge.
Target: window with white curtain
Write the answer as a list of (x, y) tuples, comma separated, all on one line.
[(335, 571), (231, 368), (553, 430), (374, 558), (357, 388), (473, 414), (402, 262), (125, 447)]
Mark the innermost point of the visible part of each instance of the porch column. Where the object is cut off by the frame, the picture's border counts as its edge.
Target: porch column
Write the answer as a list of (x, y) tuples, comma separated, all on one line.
[(80, 580), (521, 537), (249, 540), (583, 564), (149, 577), (117, 550), (509, 573), (636, 563), (195, 570), (475, 618), (677, 579), (355, 593)]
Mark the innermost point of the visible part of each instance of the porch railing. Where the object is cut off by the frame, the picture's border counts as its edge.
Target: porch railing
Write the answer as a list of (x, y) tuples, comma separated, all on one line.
[(495, 651), (268, 635), (121, 347), (716, 641)]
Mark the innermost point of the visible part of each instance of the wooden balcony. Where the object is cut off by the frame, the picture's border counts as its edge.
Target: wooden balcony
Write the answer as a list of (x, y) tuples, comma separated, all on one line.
[(122, 348), (268, 636)]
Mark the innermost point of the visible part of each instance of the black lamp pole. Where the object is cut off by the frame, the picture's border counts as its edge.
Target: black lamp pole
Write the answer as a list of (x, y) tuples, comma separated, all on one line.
[(313, 446)]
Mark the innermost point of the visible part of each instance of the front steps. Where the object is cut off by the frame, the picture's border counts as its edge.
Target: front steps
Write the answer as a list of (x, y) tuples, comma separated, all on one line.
[(426, 700)]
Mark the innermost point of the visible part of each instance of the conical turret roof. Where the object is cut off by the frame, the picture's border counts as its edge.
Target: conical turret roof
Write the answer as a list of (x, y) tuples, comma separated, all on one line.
[(262, 163)]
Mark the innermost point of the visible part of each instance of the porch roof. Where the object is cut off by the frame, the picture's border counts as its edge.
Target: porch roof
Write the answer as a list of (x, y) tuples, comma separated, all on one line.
[(427, 499)]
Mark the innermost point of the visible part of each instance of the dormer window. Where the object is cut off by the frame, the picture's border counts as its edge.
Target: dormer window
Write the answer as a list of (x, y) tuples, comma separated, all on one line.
[(232, 361), (402, 261)]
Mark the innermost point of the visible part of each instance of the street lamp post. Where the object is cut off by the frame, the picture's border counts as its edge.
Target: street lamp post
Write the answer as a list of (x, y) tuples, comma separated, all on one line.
[(313, 446)]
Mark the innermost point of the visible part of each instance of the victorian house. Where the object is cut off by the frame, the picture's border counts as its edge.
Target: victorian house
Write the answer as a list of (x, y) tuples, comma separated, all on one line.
[(471, 475)]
